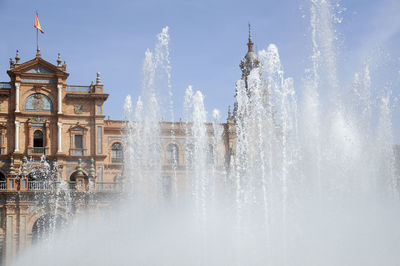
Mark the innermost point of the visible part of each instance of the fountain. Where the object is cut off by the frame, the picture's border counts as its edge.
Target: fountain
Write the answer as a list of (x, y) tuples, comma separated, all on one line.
[(308, 181)]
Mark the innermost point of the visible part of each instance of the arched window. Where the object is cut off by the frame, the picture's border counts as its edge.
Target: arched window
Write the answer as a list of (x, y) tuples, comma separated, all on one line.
[(38, 138), (38, 142), (46, 225), (38, 102), (116, 153), (172, 154)]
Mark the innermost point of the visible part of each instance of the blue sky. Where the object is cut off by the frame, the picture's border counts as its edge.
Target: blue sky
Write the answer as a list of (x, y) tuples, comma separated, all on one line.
[(208, 40)]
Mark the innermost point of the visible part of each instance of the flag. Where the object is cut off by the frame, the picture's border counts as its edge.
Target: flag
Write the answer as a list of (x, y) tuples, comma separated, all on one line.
[(37, 24)]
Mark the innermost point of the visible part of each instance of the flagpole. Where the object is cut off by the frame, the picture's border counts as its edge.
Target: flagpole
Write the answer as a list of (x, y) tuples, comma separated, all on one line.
[(37, 36)]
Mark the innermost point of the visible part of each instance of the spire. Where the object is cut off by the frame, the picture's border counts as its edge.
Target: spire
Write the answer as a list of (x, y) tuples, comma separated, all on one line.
[(38, 51), (17, 58), (250, 43)]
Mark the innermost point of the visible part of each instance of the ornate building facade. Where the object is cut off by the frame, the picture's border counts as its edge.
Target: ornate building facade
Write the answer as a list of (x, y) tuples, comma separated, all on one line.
[(41, 115)]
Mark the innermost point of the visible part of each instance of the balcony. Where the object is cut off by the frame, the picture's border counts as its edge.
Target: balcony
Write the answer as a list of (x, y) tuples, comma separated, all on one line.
[(41, 185), (77, 152), (38, 151)]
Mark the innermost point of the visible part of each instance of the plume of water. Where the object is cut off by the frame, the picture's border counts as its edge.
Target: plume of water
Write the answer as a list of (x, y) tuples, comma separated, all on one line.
[(312, 185)]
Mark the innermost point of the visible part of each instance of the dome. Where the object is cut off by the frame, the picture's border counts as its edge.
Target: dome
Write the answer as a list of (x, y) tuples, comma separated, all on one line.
[(249, 62)]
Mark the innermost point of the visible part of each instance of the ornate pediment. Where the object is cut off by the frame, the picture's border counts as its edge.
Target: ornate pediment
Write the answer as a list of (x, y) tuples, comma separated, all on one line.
[(38, 70), (78, 127)]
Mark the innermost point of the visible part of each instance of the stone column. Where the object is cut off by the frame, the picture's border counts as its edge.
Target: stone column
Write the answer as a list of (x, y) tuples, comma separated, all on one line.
[(59, 95), (17, 124), (17, 97), (30, 135), (59, 137)]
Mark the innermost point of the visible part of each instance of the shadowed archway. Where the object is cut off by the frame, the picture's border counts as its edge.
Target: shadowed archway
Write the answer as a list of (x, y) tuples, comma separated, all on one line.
[(46, 226)]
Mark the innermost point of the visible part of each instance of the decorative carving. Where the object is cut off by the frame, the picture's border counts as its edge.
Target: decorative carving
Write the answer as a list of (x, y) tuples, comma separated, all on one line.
[(78, 109), (111, 139), (38, 70), (37, 119), (38, 102)]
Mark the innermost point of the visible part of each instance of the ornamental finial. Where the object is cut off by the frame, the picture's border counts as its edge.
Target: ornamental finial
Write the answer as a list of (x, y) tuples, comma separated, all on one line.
[(59, 60), (17, 58), (92, 170), (24, 169), (11, 170), (98, 79), (79, 166)]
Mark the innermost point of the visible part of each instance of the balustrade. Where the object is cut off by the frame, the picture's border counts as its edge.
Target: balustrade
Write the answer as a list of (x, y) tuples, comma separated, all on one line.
[(52, 185)]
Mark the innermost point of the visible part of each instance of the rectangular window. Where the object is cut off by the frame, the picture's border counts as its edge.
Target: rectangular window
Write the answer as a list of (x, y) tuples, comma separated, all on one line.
[(99, 111), (99, 140), (100, 174), (79, 141)]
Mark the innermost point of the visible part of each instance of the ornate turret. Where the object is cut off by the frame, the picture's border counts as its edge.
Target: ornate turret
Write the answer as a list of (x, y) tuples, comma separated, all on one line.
[(250, 60)]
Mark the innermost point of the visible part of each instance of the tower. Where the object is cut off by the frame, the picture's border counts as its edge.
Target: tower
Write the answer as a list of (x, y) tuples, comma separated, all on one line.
[(247, 64)]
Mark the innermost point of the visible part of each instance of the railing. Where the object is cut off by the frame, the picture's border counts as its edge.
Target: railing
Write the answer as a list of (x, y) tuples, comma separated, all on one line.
[(108, 186), (5, 85), (77, 88), (40, 185), (38, 150), (77, 152), (117, 160), (53, 185)]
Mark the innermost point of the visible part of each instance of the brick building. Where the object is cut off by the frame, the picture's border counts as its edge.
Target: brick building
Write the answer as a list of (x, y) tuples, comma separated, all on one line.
[(59, 155)]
